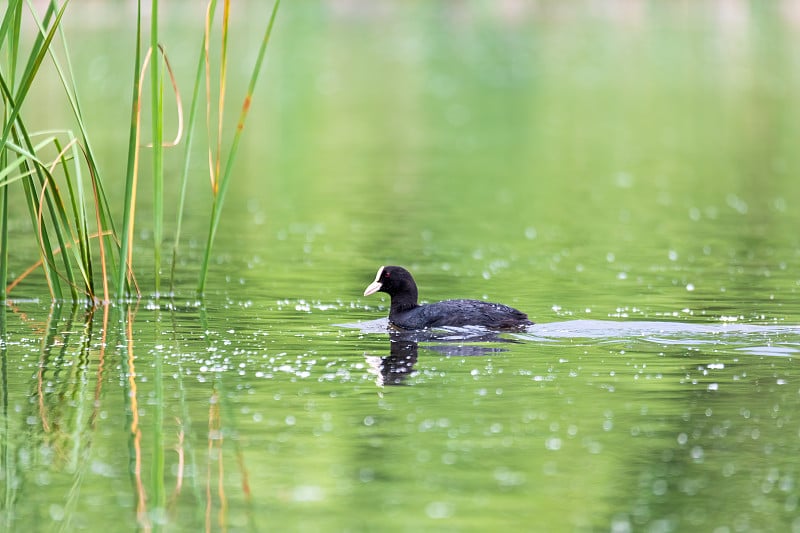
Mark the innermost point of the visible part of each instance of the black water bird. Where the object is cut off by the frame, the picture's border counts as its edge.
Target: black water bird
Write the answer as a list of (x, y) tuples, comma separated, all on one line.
[(406, 313)]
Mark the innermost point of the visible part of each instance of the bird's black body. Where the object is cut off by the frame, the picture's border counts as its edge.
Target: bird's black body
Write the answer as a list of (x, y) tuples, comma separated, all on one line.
[(406, 313)]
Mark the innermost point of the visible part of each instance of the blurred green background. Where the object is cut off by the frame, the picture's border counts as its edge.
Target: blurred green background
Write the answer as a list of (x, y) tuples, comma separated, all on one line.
[(612, 160)]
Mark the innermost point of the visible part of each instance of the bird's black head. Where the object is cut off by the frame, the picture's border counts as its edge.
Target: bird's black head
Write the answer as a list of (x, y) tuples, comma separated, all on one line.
[(397, 283)]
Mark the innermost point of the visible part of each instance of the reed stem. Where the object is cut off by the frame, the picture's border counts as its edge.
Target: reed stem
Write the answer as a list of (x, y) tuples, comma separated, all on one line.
[(224, 181)]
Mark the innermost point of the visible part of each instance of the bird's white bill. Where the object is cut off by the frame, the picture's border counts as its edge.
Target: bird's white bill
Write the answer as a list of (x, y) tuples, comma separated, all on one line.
[(375, 286)]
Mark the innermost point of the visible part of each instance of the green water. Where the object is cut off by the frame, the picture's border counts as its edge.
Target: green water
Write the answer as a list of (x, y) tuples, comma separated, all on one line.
[(627, 174)]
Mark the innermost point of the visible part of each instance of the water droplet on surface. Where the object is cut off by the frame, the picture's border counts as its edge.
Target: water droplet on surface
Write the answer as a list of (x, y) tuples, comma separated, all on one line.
[(553, 444), (697, 453), (307, 493), (439, 510), (623, 180), (56, 512), (659, 487)]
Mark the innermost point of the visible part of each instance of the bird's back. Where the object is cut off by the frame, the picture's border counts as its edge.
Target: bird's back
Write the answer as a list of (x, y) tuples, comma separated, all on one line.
[(458, 313)]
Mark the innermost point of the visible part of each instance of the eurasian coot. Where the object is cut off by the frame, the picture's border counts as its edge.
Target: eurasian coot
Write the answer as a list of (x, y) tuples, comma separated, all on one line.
[(405, 313)]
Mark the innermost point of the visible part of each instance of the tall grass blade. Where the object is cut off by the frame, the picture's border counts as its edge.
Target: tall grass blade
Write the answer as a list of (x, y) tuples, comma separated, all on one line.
[(60, 212), (11, 23), (224, 180), (3, 237), (14, 127), (102, 208), (202, 61), (223, 79), (32, 202), (3, 233), (40, 47), (28, 271), (129, 205), (210, 14), (184, 181), (79, 218), (50, 195), (100, 240), (9, 36), (11, 167), (157, 115), (80, 236)]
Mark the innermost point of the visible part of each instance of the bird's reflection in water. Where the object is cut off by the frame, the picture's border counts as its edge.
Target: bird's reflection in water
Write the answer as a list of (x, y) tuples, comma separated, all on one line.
[(395, 368)]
